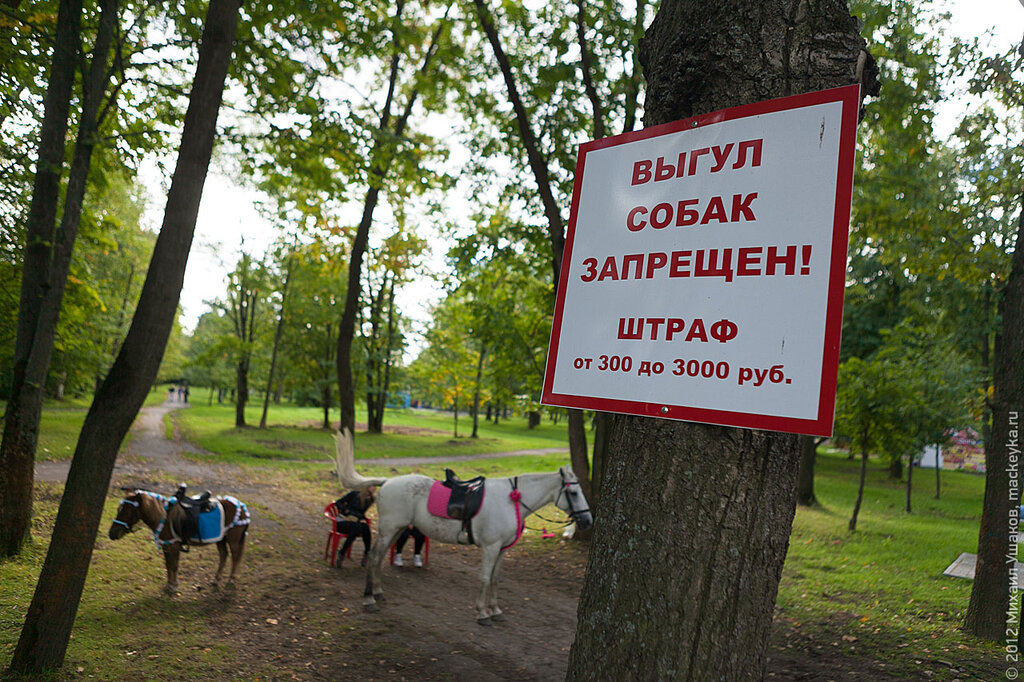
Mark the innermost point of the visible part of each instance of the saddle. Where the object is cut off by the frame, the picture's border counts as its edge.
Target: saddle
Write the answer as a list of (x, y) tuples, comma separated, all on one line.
[(185, 523), (466, 496)]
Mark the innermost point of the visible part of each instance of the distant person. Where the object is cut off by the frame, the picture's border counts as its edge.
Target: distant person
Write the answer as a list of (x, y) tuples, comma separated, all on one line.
[(352, 520), (181, 393), (170, 394), (186, 395), (417, 548)]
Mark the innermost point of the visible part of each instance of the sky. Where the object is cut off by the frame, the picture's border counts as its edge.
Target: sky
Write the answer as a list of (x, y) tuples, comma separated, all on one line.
[(228, 213)]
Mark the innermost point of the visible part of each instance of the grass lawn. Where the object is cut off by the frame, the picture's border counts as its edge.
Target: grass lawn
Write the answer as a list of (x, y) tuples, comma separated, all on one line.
[(880, 589), (295, 434)]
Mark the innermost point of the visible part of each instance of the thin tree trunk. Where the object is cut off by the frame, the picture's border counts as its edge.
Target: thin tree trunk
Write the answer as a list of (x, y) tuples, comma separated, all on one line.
[(51, 614), (990, 593), (697, 605), (556, 229), (805, 480), (455, 411), (325, 392), (241, 391), (380, 163), (633, 86), (277, 342), (602, 421), (938, 469), (860, 490), (24, 407), (476, 390), (388, 349), (586, 67), (910, 475)]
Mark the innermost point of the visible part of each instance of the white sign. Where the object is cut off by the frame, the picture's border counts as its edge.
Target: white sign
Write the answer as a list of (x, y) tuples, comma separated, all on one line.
[(704, 267)]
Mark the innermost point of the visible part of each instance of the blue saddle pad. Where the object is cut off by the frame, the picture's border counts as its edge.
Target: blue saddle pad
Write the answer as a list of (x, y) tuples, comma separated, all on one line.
[(211, 525)]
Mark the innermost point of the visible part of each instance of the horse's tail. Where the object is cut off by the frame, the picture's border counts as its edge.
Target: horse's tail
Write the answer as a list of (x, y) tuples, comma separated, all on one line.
[(346, 465)]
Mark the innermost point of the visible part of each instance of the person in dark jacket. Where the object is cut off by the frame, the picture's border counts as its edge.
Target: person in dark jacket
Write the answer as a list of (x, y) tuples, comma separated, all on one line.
[(352, 522)]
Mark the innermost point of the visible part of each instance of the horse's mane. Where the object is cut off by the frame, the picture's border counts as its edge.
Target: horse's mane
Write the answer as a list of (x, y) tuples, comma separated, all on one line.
[(345, 464)]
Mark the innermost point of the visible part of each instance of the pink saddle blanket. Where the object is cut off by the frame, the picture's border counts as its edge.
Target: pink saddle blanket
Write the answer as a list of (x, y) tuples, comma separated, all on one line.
[(437, 501)]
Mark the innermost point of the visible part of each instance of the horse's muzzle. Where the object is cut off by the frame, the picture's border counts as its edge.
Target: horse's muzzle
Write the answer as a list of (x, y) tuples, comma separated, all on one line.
[(584, 520), (116, 532)]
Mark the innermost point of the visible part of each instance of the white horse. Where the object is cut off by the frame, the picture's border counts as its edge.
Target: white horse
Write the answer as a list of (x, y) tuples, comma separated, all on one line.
[(507, 502)]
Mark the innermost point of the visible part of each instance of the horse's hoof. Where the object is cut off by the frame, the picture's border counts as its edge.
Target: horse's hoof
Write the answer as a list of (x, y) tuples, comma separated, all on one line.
[(371, 608), (498, 617), (170, 590), (484, 621)]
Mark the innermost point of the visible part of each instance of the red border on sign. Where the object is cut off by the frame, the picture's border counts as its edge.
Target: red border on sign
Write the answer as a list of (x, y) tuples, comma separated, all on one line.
[(849, 96)]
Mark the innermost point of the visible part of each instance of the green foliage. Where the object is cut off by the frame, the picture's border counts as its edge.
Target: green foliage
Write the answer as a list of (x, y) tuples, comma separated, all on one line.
[(906, 395)]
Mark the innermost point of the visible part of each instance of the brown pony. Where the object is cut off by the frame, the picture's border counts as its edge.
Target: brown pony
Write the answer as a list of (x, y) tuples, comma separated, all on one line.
[(151, 509)]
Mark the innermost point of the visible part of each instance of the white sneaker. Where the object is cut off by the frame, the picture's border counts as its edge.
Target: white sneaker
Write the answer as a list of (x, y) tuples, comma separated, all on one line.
[(417, 561), (398, 560)]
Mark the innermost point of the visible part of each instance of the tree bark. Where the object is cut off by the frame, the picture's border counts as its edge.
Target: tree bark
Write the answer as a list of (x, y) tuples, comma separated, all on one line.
[(51, 614), (990, 593), (692, 528), (24, 407), (805, 480)]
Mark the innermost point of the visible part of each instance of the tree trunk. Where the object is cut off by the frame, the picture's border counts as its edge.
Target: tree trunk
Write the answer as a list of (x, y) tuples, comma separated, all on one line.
[(938, 469), (241, 392), (990, 593), (658, 603), (388, 350), (578, 452), (910, 476), (860, 490), (325, 400), (805, 480), (24, 407), (325, 391), (602, 421), (455, 412), (380, 163), (277, 342), (896, 468), (476, 390), (541, 175), (51, 614)]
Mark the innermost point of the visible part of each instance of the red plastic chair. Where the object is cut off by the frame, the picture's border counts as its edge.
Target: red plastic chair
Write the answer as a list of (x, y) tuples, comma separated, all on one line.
[(335, 536), (426, 553)]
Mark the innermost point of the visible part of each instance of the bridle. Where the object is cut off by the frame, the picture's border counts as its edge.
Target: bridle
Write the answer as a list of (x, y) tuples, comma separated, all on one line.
[(566, 488), (128, 526)]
